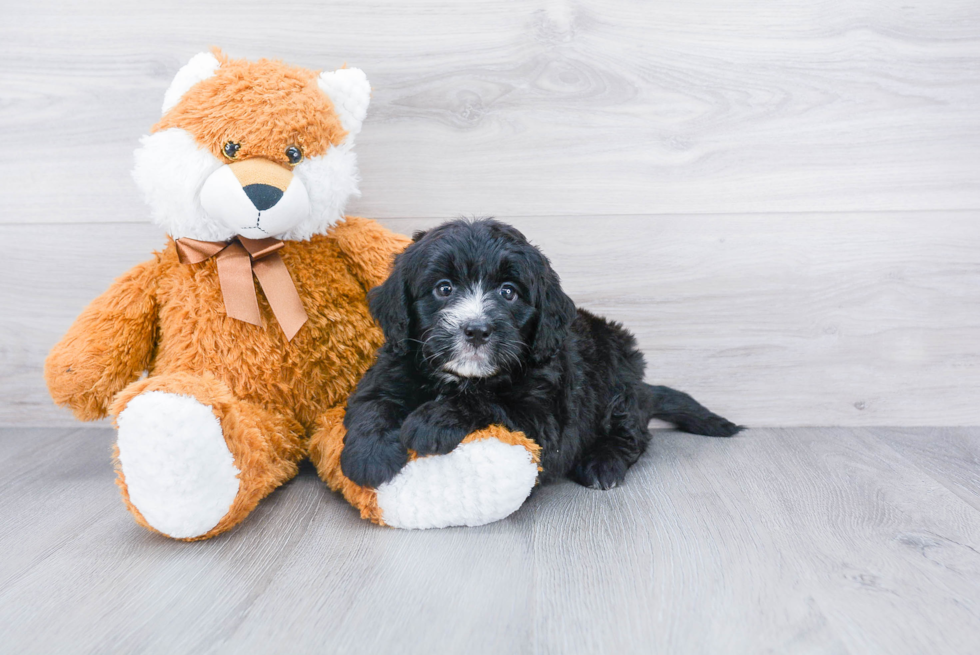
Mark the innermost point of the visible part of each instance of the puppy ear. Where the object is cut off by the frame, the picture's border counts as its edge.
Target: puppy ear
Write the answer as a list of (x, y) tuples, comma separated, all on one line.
[(389, 307), (418, 234), (556, 311)]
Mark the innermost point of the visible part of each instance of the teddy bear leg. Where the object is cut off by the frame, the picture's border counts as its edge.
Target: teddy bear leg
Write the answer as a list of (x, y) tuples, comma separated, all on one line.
[(326, 444), (484, 479), (192, 460)]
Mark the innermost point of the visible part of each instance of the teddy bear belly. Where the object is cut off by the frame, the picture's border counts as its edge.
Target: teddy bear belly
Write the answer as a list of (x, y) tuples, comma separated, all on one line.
[(317, 370)]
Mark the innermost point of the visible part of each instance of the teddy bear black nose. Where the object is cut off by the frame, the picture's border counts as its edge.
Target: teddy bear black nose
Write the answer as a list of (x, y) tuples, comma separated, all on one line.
[(262, 196)]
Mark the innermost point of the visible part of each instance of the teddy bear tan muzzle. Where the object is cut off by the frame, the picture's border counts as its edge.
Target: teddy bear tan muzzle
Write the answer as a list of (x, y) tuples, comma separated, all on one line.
[(263, 180), (256, 198)]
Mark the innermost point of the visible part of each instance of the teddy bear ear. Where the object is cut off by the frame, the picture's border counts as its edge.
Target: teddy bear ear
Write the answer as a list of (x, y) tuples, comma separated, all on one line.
[(350, 92), (199, 68)]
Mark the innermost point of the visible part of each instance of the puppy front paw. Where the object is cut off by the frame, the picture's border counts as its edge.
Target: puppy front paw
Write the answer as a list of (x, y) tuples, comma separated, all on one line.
[(431, 430), (600, 472), (371, 462)]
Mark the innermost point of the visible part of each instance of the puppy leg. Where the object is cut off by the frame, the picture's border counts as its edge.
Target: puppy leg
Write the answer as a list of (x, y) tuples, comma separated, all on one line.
[(436, 427), (625, 437), (372, 453), (683, 411), (326, 445)]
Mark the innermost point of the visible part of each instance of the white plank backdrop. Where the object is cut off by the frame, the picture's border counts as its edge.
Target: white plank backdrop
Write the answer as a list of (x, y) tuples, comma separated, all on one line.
[(780, 198)]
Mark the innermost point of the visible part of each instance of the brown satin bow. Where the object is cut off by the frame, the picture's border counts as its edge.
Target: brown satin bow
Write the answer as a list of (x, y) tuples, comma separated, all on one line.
[(237, 260)]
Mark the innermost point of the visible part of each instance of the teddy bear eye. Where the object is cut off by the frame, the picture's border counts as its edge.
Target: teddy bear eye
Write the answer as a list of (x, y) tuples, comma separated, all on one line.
[(294, 155), (231, 149)]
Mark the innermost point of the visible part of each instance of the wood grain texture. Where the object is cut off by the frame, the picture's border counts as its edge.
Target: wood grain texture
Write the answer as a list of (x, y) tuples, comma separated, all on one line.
[(531, 108), (822, 319), (783, 540), (951, 456)]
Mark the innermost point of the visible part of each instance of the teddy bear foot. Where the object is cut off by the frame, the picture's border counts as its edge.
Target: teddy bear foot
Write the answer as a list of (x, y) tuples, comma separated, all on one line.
[(192, 460), (176, 465), (483, 480)]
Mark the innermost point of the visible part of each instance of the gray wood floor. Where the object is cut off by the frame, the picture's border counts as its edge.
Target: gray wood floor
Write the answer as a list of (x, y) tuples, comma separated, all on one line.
[(854, 540)]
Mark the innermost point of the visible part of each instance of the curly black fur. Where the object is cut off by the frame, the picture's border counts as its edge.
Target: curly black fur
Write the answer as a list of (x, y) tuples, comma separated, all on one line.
[(479, 332)]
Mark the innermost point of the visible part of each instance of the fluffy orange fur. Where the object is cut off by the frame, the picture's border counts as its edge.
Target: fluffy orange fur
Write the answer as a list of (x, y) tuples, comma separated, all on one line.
[(270, 105), (326, 444), (168, 319)]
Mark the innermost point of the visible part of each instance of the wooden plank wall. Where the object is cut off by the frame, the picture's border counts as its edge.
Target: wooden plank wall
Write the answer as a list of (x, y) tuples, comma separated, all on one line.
[(780, 198)]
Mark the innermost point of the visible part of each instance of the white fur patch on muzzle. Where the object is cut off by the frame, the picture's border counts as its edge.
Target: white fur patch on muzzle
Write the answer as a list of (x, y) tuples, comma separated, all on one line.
[(468, 361)]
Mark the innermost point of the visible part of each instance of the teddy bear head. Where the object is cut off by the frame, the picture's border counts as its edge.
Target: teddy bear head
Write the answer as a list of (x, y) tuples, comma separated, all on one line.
[(252, 148)]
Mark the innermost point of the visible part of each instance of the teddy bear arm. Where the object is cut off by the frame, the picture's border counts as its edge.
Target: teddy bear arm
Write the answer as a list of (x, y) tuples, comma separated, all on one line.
[(107, 347), (487, 477), (484, 479)]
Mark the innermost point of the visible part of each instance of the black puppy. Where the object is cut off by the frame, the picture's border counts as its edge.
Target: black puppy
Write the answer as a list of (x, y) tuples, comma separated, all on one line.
[(480, 332)]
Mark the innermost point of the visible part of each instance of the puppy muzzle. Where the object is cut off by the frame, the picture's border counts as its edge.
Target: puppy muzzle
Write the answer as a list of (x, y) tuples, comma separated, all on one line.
[(469, 361)]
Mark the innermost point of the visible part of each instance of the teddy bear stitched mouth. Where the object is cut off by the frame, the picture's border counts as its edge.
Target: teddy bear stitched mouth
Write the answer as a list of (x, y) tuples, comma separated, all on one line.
[(263, 197), (258, 219)]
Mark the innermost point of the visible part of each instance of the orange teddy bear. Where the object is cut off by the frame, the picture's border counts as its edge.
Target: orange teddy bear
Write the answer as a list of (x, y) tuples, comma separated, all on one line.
[(249, 171)]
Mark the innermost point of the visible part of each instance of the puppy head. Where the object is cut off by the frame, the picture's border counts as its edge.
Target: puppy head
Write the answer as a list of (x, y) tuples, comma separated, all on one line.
[(252, 148), (474, 299)]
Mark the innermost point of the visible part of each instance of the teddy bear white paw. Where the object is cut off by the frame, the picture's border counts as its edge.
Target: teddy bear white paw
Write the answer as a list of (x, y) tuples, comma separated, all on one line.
[(477, 483), (178, 470)]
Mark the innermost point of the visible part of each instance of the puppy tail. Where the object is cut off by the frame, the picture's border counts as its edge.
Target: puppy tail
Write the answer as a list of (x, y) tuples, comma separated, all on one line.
[(683, 411)]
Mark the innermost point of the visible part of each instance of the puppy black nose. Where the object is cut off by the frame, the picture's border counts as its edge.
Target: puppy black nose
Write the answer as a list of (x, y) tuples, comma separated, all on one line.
[(477, 332), (262, 196)]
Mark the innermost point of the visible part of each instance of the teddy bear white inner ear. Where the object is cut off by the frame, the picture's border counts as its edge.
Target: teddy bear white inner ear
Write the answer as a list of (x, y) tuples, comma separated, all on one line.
[(199, 68), (350, 92)]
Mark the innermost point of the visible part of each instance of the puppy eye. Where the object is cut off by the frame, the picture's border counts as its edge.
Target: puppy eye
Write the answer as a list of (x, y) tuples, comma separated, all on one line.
[(294, 155), (231, 149), (444, 288), (508, 292)]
